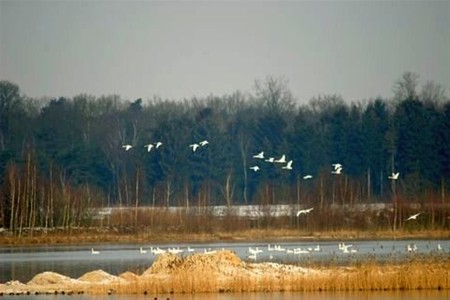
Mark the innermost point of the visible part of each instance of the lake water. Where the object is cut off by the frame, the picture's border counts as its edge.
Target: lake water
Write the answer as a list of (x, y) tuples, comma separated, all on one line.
[(22, 263), (397, 295)]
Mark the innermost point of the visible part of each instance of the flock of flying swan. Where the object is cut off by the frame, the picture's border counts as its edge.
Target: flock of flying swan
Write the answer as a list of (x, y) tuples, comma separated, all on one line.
[(281, 160), (337, 170)]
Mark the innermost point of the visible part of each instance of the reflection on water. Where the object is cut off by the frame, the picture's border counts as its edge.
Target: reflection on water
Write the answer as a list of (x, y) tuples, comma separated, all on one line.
[(396, 295), (24, 262)]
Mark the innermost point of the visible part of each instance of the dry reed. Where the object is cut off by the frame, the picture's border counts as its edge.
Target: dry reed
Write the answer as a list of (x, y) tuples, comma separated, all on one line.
[(424, 274)]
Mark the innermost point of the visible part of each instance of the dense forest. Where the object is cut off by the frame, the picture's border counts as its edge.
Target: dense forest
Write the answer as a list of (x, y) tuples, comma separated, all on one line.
[(61, 157)]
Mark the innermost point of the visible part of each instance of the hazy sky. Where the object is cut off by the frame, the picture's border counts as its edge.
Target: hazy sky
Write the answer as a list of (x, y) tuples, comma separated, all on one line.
[(178, 49)]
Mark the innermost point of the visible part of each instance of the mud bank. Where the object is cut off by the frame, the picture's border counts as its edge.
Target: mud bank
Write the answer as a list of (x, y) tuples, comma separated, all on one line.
[(224, 271)]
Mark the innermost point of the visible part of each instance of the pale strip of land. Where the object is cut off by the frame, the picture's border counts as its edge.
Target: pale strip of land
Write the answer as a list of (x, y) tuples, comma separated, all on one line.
[(99, 235)]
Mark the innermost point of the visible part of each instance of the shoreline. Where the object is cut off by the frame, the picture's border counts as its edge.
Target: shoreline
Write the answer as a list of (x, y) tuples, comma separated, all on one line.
[(96, 235)]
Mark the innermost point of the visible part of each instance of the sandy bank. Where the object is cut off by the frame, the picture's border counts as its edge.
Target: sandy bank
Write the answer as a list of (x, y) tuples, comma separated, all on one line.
[(224, 271)]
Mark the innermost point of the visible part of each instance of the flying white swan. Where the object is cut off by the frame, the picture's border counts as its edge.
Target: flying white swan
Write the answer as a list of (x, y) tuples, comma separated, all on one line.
[(260, 155), (127, 147), (149, 147), (288, 166), (204, 143), (255, 168), (281, 160), (413, 217), (337, 171), (304, 211), (307, 176), (394, 176), (158, 144), (337, 166), (270, 159), (194, 147)]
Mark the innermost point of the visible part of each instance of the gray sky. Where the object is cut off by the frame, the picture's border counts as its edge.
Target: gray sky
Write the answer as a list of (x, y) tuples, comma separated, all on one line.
[(176, 50)]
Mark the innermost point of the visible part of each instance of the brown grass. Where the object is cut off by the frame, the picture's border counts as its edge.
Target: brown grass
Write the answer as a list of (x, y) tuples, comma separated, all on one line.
[(414, 275)]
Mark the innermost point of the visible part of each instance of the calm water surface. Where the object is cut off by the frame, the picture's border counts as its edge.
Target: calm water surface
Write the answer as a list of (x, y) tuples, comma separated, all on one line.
[(22, 263), (406, 295)]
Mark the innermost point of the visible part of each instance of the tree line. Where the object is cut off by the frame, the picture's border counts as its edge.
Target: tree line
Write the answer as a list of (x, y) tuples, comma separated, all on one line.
[(61, 158)]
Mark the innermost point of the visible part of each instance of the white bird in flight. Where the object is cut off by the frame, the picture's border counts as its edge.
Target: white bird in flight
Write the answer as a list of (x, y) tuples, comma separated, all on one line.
[(337, 166), (255, 168), (270, 159), (304, 211), (413, 217), (337, 170), (307, 176), (288, 166), (394, 176), (260, 155), (194, 147), (127, 147), (149, 147), (281, 160), (158, 144), (204, 143)]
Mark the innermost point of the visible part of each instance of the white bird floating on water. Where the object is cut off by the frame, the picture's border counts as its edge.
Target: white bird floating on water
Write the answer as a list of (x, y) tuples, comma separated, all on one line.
[(413, 217), (175, 250), (307, 176), (157, 250), (410, 248), (394, 176), (288, 166), (255, 168), (260, 155), (345, 248), (252, 256), (209, 251), (279, 248), (254, 251), (304, 211), (94, 251), (127, 147), (301, 251), (142, 251), (281, 160)]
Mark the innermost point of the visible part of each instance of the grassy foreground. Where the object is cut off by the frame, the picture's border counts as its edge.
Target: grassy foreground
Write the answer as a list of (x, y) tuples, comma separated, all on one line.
[(143, 235), (224, 272), (413, 276)]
